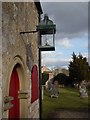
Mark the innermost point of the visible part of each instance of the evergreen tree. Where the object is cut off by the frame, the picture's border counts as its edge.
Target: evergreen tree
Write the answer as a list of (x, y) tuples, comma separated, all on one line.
[(45, 77), (78, 69)]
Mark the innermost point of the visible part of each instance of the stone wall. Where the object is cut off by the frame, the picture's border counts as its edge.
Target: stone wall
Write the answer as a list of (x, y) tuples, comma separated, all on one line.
[(19, 49)]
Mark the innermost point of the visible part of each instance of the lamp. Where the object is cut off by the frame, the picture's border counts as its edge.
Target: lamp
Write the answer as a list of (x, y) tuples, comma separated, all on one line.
[(47, 31)]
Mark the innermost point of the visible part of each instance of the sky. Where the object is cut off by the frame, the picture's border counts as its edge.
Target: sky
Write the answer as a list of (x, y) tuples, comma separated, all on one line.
[(71, 19)]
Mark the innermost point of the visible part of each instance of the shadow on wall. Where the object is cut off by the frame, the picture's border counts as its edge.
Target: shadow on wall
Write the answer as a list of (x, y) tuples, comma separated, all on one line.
[(30, 58)]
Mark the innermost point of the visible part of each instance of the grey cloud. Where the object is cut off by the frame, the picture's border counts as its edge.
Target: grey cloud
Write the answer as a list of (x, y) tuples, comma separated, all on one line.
[(71, 18)]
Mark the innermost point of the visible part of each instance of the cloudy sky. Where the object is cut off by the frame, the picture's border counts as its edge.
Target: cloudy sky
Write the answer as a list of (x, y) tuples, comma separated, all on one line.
[(71, 19)]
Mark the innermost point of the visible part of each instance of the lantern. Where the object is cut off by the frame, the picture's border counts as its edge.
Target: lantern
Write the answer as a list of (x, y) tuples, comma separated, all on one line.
[(47, 30)]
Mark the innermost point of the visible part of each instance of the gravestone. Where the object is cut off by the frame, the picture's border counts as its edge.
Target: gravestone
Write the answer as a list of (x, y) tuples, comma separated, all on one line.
[(83, 90), (54, 90), (49, 84)]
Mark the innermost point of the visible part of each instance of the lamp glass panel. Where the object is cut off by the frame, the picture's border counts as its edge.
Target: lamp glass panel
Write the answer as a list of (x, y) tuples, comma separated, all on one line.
[(47, 40)]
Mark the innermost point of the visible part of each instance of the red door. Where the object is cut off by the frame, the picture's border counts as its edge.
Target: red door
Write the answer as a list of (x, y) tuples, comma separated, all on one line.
[(14, 112), (35, 84)]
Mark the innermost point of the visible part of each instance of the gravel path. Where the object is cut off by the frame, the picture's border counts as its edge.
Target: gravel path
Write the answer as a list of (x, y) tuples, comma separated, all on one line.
[(69, 114)]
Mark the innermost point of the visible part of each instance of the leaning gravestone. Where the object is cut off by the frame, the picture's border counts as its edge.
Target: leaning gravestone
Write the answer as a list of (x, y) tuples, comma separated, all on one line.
[(83, 90), (54, 90)]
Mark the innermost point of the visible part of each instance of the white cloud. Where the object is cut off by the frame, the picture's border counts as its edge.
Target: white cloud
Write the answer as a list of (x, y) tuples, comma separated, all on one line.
[(49, 62), (65, 42), (51, 54), (51, 58), (85, 54)]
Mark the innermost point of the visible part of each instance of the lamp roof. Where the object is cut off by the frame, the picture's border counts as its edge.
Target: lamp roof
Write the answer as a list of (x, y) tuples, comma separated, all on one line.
[(46, 26)]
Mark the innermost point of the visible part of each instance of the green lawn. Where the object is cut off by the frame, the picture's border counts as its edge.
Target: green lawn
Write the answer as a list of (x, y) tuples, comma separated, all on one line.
[(68, 99)]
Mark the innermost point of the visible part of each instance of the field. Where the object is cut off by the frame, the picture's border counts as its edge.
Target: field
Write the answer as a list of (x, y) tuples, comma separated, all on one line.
[(68, 100)]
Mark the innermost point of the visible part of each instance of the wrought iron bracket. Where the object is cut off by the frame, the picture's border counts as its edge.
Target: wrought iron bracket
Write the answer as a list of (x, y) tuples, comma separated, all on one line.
[(29, 32)]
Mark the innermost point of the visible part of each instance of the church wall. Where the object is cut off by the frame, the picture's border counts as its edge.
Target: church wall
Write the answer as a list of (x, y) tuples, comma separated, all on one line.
[(20, 51)]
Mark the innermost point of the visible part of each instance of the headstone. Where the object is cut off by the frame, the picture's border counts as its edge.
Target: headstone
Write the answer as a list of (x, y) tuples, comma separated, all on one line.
[(49, 84), (54, 90), (83, 90)]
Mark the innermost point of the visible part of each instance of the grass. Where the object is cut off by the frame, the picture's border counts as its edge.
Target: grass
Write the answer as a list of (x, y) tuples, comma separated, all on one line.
[(68, 99)]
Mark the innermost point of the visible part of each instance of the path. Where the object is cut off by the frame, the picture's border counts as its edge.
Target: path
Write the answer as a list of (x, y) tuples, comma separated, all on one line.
[(69, 114)]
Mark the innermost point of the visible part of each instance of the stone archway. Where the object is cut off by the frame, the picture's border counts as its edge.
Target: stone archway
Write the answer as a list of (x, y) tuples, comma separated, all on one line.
[(17, 65)]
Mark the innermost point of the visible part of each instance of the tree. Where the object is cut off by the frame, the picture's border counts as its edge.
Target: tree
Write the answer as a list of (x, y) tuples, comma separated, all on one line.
[(61, 78), (45, 77), (78, 68)]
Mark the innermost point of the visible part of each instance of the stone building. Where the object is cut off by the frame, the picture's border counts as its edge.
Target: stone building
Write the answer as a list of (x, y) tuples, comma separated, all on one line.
[(19, 85), (47, 70)]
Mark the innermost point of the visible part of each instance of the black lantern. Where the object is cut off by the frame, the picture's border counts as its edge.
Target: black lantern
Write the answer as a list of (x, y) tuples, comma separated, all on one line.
[(47, 30)]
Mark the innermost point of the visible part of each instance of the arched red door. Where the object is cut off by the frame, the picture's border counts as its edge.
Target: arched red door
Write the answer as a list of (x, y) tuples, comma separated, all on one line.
[(14, 112), (35, 84)]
